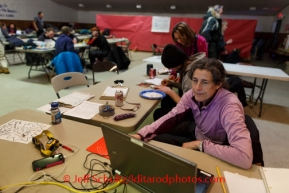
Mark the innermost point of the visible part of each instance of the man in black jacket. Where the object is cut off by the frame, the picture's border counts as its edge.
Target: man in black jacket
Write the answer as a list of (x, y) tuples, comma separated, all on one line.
[(212, 29)]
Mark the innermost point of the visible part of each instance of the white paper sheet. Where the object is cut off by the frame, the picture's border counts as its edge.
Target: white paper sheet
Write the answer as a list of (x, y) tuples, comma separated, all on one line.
[(110, 91), (75, 98), (239, 184), (154, 81), (85, 110), (21, 131)]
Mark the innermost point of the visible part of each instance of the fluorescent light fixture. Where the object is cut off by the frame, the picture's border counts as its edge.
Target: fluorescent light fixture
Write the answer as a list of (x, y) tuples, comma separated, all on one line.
[(138, 6), (252, 8), (265, 8), (173, 7), (80, 5), (108, 6)]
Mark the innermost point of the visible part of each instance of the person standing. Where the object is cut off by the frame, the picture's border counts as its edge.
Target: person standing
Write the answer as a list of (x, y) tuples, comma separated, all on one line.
[(38, 24), (3, 61), (212, 29)]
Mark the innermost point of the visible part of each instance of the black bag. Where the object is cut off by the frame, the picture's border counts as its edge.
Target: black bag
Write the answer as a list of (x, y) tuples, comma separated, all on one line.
[(106, 32), (118, 56)]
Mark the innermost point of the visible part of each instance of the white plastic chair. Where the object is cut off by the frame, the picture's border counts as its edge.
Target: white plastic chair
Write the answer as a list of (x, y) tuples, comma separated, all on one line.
[(68, 79)]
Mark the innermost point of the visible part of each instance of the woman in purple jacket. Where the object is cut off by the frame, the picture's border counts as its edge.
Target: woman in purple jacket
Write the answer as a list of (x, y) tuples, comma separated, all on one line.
[(220, 121)]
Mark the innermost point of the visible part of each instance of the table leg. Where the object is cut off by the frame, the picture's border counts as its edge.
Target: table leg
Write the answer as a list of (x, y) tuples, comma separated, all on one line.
[(261, 95)]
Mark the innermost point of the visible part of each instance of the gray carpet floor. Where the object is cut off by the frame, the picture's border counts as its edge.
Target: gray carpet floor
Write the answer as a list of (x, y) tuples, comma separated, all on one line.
[(20, 92)]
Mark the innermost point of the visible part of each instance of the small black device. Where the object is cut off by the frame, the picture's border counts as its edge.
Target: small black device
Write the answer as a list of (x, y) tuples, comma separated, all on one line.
[(48, 162), (149, 66)]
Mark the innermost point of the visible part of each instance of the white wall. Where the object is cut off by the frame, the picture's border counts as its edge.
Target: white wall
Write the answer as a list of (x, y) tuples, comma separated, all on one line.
[(285, 21), (264, 23), (28, 9)]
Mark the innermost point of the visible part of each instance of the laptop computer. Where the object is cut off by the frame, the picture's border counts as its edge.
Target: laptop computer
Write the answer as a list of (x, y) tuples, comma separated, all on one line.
[(151, 168)]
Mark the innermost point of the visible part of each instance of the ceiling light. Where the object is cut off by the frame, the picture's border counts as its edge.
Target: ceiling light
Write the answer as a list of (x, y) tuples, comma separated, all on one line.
[(252, 8), (138, 6), (80, 5), (265, 8), (173, 7), (108, 6)]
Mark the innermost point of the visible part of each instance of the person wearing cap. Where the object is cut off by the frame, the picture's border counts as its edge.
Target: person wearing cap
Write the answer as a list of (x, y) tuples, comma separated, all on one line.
[(220, 129), (175, 59), (103, 47), (211, 29)]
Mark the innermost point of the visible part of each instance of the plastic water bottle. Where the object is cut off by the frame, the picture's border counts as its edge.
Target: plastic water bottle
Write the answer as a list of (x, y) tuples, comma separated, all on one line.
[(55, 113)]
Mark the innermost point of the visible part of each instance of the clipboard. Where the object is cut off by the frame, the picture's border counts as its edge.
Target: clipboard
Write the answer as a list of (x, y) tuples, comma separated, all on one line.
[(109, 92)]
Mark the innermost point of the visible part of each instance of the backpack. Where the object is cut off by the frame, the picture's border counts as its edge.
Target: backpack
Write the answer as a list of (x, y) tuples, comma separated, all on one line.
[(106, 32)]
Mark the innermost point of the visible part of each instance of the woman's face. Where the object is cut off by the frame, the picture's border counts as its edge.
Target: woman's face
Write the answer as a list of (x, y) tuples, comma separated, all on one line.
[(224, 27), (203, 86), (12, 25), (179, 39)]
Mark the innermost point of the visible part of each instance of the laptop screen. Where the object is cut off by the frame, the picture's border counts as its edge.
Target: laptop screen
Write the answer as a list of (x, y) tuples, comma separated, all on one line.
[(152, 168)]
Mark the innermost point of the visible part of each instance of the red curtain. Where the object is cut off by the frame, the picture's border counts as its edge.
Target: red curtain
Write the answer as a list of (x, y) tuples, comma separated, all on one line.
[(138, 30)]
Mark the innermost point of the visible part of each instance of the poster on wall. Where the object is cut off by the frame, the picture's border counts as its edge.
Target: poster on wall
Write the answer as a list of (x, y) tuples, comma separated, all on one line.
[(8, 11), (161, 24)]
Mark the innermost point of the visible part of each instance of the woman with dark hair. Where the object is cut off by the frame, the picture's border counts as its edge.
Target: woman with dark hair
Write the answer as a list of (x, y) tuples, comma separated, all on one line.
[(220, 122), (11, 29), (186, 39)]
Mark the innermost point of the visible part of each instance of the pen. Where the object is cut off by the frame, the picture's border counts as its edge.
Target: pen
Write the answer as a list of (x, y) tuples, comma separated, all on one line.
[(67, 148), (222, 183)]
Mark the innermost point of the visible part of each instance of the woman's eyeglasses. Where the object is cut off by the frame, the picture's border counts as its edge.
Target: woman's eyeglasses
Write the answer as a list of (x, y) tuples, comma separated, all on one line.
[(137, 107)]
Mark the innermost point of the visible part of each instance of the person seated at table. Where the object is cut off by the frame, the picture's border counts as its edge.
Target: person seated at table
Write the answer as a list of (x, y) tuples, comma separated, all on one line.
[(12, 29), (3, 62), (175, 59), (64, 42), (103, 47), (220, 122), (4, 30), (47, 35)]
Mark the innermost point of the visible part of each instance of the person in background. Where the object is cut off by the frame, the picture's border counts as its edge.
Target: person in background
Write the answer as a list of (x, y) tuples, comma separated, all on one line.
[(12, 29), (3, 62), (220, 121), (73, 37), (4, 30), (211, 29), (38, 24), (64, 42), (186, 39), (48, 34), (101, 43), (222, 43)]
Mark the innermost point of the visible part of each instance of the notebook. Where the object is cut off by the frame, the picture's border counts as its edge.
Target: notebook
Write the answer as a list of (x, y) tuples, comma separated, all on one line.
[(150, 168), (275, 179)]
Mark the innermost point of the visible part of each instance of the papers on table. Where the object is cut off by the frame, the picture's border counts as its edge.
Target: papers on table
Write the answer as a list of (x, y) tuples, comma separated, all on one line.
[(21, 131), (74, 99), (275, 179), (85, 110), (239, 184), (154, 81), (110, 91), (75, 105)]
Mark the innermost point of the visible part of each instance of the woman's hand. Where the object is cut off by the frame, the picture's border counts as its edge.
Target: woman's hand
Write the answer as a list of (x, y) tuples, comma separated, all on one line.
[(229, 41), (192, 144), (165, 89), (165, 82), (137, 136)]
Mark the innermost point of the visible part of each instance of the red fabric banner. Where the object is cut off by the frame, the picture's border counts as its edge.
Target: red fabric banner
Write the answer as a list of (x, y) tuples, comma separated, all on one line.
[(138, 30)]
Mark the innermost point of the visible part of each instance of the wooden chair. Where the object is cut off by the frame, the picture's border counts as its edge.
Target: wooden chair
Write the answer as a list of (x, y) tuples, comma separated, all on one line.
[(103, 66), (68, 79)]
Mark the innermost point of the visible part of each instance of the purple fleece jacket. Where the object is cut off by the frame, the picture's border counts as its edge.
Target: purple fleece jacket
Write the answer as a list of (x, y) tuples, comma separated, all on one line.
[(224, 115)]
